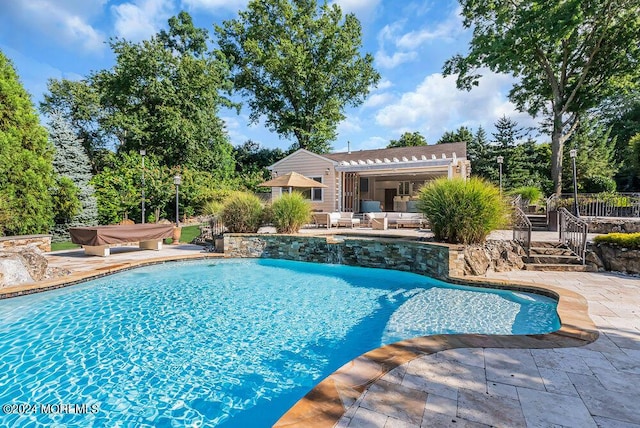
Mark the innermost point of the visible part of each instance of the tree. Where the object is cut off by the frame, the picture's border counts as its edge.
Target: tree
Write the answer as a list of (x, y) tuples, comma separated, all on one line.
[(79, 105), (634, 156), (300, 65), (507, 134), (163, 95), (461, 134), (252, 162), (482, 156), (26, 171), (595, 158), (568, 56), (72, 162), (408, 139)]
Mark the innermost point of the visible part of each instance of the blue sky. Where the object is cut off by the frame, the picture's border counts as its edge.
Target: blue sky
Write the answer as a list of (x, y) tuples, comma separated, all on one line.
[(410, 41)]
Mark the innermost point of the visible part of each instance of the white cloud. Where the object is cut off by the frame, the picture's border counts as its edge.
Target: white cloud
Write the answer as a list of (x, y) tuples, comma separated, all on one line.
[(234, 130), (382, 85), (377, 100), (445, 30), (67, 22), (215, 5), (388, 36), (390, 61), (349, 125), (141, 19), (436, 106)]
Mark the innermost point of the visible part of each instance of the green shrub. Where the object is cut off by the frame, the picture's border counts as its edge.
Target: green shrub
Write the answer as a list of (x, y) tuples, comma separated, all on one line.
[(290, 212), (242, 213), (626, 240), (528, 193), (599, 184), (212, 208), (462, 211)]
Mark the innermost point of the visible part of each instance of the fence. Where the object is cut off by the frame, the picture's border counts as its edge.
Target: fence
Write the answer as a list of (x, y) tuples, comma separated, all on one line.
[(598, 204)]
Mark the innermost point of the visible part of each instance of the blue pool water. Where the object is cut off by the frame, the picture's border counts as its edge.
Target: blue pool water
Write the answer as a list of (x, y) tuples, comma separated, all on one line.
[(223, 343)]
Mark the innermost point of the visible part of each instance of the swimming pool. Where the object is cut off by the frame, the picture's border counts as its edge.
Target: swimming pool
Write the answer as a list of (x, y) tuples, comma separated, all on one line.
[(226, 343)]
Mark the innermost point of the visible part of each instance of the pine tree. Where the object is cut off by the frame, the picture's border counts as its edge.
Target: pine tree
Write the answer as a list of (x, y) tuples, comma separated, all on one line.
[(26, 171), (482, 156), (71, 161)]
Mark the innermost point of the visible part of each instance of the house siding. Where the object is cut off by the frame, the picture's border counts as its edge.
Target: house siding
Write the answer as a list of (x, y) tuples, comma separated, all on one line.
[(311, 166)]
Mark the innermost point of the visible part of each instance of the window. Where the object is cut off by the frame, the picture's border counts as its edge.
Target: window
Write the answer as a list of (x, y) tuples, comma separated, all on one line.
[(404, 188), (315, 194)]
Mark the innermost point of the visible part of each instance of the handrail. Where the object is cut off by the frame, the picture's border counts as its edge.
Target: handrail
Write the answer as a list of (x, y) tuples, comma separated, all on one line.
[(573, 233), (522, 229)]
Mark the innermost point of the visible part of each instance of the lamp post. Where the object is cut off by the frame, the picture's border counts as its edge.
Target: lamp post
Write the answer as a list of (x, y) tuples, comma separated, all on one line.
[(177, 180), (500, 160), (572, 154), (143, 152)]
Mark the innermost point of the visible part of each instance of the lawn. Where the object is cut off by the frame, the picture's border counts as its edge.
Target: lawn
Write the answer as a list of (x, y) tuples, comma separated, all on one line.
[(188, 234)]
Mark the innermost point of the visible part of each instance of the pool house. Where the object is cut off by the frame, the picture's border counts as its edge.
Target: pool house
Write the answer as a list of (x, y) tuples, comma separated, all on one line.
[(373, 180)]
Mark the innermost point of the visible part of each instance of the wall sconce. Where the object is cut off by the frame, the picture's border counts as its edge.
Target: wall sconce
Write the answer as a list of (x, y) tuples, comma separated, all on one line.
[(328, 171)]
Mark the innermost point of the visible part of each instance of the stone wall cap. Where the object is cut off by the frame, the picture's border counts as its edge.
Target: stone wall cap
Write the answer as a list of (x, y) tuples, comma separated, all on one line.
[(19, 237)]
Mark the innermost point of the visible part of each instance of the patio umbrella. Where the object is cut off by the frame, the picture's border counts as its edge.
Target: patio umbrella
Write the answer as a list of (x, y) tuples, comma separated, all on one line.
[(291, 180)]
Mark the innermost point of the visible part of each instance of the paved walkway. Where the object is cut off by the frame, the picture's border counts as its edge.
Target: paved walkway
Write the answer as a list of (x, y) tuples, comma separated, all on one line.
[(594, 385)]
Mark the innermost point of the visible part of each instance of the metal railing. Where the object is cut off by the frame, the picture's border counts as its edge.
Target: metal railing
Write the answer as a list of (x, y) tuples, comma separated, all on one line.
[(573, 233), (599, 204), (522, 229), (217, 226)]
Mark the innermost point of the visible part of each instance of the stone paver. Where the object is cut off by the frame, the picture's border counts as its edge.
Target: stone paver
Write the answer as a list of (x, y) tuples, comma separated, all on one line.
[(592, 386)]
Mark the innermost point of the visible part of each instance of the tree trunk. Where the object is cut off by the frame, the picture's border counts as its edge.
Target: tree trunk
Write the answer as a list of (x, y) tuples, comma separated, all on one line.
[(556, 153)]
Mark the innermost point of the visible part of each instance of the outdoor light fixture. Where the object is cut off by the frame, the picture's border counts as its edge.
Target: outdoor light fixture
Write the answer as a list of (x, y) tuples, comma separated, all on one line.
[(573, 153), (177, 180), (328, 171), (143, 152), (500, 160)]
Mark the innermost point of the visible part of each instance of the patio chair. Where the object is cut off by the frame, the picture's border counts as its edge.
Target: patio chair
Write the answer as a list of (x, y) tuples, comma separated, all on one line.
[(322, 219)]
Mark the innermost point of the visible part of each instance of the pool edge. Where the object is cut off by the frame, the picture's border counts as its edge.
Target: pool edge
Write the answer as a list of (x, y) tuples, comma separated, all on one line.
[(80, 277)]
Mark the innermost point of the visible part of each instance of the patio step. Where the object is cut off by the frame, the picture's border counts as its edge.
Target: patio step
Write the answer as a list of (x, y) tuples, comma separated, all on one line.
[(552, 259), (552, 256), (538, 222), (557, 267)]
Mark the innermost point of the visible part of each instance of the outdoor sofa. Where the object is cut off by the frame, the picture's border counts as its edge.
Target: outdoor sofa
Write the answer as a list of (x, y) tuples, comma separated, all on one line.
[(398, 219)]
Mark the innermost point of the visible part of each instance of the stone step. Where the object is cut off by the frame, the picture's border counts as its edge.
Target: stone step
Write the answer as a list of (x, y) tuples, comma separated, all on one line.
[(557, 267), (544, 228), (552, 259), (550, 251), (547, 244)]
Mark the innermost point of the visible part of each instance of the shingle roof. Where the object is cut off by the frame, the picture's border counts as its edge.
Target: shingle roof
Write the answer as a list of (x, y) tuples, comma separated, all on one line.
[(460, 149)]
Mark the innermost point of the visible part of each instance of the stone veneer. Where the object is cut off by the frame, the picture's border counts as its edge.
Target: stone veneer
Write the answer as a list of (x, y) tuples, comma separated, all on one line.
[(436, 260), (43, 242), (615, 258)]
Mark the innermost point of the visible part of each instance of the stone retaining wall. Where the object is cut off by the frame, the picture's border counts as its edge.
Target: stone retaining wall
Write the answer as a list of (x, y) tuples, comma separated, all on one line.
[(431, 259), (614, 258), (608, 225), (43, 242)]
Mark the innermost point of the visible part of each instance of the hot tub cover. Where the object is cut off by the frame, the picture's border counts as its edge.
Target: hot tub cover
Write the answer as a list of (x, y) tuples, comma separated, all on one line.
[(106, 235)]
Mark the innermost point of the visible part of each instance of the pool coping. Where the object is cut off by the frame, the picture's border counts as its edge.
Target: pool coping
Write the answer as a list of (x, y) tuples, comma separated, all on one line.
[(327, 402)]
